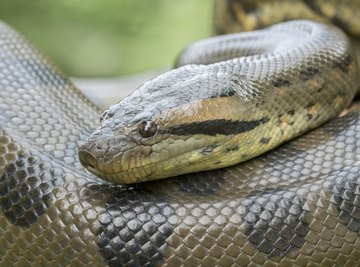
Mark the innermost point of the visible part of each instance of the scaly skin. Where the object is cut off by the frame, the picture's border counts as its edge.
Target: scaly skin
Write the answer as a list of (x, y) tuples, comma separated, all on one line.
[(261, 93), (295, 206), (248, 15)]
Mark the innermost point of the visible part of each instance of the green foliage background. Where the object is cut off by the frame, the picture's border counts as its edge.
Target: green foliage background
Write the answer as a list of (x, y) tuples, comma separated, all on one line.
[(110, 37)]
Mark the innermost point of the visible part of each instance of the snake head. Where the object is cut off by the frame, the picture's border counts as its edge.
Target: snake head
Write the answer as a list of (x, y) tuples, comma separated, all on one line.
[(172, 125), (113, 150)]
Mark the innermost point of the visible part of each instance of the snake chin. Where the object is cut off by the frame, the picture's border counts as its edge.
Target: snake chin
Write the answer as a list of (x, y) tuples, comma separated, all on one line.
[(125, 160), (89, 161)]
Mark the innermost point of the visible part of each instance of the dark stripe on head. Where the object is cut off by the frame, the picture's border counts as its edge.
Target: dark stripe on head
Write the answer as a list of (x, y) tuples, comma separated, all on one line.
[(214, 127)]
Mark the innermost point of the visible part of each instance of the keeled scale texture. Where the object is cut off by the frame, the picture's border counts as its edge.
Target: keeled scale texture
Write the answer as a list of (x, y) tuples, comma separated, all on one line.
[(298, 205), (248, 15), (259, 93)]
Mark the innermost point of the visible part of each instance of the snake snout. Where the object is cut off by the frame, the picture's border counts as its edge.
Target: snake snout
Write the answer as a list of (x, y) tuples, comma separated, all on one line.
[(88, 160)]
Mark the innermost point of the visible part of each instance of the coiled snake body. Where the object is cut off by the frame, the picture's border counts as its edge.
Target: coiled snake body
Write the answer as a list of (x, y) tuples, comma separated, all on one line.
[(298, 204), (200, 117)]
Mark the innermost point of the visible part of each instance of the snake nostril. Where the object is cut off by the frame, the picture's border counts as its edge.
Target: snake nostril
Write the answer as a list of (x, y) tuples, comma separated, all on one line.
[(87, 159)]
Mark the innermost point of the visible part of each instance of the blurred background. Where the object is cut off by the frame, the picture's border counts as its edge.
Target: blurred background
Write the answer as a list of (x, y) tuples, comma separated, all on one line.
[(110, 37)]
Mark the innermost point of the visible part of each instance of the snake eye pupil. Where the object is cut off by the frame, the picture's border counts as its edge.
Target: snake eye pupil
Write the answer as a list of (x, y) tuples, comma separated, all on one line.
[(103, 115), (147, 129)]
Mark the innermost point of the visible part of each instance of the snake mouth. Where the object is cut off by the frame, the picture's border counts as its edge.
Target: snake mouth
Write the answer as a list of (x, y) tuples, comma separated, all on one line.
[(89, 161)]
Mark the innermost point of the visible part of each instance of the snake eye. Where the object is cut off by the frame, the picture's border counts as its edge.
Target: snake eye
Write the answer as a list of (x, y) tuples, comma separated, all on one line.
[(147, 128), (103, 115)]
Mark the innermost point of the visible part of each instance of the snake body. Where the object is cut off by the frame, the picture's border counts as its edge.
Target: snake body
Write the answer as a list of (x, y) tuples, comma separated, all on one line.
[(297, 205), (201, 117)]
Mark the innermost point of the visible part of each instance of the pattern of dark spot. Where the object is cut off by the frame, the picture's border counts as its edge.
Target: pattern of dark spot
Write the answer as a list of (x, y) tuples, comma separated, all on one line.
[(203, 183), (336, 20), (231, 9), (291, 112), (134, 227), (224, 93), (265, 140), (309, 105), (233, 148), (249, 6), (214, 127), (274, 221), (309, 116), (236, 81), (260, 103), (308, 73), (344, 187), (344, 63), (228, 93), (314, 6), (26, 190), (281, 82)]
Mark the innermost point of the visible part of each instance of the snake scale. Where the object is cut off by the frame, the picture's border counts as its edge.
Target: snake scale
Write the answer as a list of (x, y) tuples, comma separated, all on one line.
[(296, 205)]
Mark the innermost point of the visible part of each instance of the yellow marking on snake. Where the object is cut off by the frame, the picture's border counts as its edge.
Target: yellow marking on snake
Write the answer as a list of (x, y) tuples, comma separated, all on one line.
[(225, 110)]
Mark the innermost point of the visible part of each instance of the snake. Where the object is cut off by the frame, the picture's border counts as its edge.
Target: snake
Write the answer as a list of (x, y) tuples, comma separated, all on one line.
[(208, 115), (296, 205)]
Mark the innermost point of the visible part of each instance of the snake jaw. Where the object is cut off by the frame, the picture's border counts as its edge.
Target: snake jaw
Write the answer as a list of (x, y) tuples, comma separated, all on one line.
[(89, 161), (115, 155)]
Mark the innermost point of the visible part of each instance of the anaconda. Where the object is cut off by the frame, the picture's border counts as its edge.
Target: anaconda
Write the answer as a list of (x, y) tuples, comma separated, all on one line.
[(201, 117), (296, 205)]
